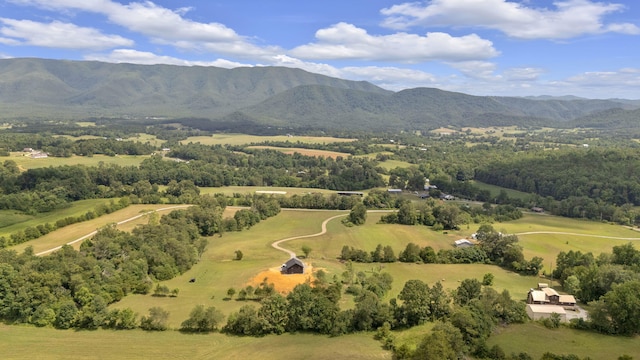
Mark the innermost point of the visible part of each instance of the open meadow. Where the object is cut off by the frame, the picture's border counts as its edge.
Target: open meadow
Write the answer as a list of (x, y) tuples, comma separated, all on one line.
[(243, 139), (26, 162)]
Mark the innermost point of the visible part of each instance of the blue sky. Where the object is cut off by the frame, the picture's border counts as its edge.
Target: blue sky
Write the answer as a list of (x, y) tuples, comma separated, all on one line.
[(482, 47)]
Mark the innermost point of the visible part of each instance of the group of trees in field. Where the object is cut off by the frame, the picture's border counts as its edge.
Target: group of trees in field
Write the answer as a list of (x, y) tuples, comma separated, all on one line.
[(471, 309), (610, 283), (493, 248), (73, 288), (448, 216)]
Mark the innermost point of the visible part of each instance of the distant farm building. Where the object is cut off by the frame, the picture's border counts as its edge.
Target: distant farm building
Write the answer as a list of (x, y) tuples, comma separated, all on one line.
[(537, 209), (394, 191), (548, 296), (538, 312), (462, 243), (293, 266), (39, 155), (350, 193), (271, 192)]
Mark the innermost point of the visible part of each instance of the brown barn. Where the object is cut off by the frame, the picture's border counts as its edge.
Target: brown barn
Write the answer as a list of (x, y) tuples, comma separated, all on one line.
[(293, 266)]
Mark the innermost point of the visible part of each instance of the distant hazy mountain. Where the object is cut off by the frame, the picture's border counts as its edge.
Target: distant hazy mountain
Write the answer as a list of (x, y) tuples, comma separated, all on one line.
[(273, 96)]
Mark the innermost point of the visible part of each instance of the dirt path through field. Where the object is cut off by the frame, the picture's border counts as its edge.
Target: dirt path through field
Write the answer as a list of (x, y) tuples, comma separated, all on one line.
[(323, 231), (118, 223)]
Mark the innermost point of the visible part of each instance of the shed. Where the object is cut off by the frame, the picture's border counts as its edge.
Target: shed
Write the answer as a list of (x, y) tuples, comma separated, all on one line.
[(567, 301), (293, 266), (537, 312), (463, 243)]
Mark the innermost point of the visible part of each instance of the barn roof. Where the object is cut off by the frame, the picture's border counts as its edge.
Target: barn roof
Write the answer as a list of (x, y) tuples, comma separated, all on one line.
[(567, 299), (550, 291), (538, 296), (293, 261)]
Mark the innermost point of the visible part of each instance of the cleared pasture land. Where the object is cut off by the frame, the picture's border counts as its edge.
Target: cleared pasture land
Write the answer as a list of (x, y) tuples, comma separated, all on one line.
[(302, 151), (535, 339), (495, 190), (571, 234), (25, 162), (20, 342), (242, 139), (217, 272), (75, 231), (13, 221)]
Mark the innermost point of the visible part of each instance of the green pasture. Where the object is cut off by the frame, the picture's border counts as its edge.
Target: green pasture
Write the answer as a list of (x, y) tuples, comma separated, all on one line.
[(217, 271), (25, 162), (243, 139), (303, 151), (13, 221), (535, 339), (392, 164), (75, 231), (21, 342), (495, 190), (572, 234)]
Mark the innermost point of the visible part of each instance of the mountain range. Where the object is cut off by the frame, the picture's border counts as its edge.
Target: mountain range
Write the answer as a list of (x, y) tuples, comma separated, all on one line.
[(274, 96)]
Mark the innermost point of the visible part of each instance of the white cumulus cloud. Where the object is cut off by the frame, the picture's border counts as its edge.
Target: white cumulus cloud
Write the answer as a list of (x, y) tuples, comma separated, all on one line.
[(569, 19), (148, 58), (346, 41), (57, 34)]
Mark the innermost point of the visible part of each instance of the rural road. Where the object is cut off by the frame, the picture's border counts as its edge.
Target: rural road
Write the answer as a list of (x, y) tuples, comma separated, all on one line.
[(118, 223)]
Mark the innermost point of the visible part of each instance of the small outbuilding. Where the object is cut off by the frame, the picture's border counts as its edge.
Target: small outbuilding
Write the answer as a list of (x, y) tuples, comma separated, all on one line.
[(463, 243), (537, 312), (293, 266)]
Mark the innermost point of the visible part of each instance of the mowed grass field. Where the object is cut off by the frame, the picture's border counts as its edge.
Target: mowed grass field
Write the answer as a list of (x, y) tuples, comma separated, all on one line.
[(12, 221), (20, 342), (306, 152), (539, 340), (242, 139), (25, 162), (72, 232), (495, 190)]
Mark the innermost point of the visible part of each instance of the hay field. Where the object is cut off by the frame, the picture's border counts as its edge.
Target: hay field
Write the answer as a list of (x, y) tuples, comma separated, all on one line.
[(242, 139), (25, 162)]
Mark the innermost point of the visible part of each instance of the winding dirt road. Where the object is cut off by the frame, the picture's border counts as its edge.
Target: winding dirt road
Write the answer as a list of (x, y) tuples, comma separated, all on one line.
[(276, 245), (118, 223)]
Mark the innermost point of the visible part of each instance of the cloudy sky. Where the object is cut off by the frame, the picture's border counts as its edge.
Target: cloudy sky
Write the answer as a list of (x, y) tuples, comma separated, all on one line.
[(483, 47)]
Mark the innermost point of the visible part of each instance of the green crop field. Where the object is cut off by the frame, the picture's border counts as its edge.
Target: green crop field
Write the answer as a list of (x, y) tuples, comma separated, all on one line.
[(242, 139), (392, 164)]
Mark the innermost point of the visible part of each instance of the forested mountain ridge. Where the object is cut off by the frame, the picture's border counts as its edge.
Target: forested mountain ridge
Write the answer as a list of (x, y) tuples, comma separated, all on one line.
[(74, 87), (272, 96)]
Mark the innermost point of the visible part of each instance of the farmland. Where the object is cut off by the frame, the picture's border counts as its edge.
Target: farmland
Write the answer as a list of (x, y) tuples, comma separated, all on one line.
[(217, 271)]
